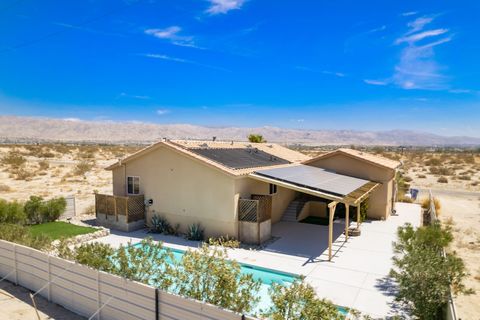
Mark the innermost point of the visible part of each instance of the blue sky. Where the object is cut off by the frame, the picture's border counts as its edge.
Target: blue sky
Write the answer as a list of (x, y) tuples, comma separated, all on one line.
[(362, 65)]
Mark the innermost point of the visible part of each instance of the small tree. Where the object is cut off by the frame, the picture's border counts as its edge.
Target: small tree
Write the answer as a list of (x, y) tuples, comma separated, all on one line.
[(423, 274), (11, 212), (95, 255), (147, 263), (40, 211), (298, 301), (207, 275), (256, 138)]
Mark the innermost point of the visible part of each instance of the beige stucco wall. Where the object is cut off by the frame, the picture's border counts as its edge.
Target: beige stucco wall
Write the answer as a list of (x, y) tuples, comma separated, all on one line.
[(246, 186), (184, 190), (380, 201), (313, 208)]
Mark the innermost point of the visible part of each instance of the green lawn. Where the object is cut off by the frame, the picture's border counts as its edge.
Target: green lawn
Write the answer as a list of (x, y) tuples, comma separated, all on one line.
[(59, 229)]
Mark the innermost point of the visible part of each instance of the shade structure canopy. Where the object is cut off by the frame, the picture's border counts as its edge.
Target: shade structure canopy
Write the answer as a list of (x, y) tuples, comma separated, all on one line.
[(318, 182), (324, 184)]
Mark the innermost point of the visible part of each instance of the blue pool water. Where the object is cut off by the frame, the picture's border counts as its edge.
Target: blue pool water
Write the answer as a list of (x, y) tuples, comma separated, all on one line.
[(265, 276)]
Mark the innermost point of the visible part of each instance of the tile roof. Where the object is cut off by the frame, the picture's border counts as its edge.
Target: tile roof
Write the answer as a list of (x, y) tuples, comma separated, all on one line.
[(365, 156), (188, 147)]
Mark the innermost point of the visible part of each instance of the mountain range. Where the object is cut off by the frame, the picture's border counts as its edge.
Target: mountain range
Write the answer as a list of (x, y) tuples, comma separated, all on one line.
[(35, 129)]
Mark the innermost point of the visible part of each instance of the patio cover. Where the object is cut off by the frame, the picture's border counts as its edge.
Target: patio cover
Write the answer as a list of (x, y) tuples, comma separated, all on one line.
[(318, 182), (324, 184)]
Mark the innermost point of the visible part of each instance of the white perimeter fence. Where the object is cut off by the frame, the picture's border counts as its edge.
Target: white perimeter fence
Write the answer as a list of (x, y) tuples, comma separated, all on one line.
[(97, 294)]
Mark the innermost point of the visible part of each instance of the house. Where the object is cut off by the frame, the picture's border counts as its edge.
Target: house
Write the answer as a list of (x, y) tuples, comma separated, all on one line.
[(240, 189)]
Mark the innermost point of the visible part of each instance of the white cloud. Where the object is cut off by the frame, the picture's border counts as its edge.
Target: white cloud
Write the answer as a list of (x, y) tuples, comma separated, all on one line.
[(223, 6), (162, 112), (421, 35), (376, 82), (165, 57), (173, 35), (334, 73), (180, 60), (123, 94), (417, 67), (460, 91), (409, 13), (382, 28), (418, 24)]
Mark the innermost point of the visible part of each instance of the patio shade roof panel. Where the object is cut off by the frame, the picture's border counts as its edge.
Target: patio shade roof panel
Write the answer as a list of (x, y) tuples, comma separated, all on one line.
[(317, 179)]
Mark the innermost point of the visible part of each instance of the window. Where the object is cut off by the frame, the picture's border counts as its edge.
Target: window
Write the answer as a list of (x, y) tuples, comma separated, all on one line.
[(133, 185), (273, 188)]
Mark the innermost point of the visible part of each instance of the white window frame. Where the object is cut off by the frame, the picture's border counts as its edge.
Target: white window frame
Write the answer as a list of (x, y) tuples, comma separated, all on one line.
[(133, 185)]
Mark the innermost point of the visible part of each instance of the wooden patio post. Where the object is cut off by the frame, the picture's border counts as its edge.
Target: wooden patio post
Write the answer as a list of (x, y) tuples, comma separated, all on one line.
[(331, 207), (358, 215), (347, 214)]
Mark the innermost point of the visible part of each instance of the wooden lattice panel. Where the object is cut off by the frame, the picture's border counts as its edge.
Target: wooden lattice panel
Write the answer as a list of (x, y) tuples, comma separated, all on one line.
[(247, 210), (136, 208)]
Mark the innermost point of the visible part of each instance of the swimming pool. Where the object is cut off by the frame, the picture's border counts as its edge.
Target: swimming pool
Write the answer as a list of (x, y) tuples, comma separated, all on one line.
[(264, 275)]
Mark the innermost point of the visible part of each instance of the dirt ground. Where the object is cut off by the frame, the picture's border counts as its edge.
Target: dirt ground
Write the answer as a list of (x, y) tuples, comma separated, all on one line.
[(57, 174), (15, 304), (462, 211)]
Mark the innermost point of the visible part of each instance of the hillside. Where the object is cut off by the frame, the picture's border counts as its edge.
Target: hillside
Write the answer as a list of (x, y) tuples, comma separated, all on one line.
[(40, 129)]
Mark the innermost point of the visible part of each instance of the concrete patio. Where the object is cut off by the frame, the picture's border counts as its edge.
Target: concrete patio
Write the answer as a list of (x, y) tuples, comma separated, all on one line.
[(357, 276)]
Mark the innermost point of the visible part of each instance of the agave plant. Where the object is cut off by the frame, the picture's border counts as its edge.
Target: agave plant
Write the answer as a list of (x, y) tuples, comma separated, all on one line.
[(195, 232), (160, 224)]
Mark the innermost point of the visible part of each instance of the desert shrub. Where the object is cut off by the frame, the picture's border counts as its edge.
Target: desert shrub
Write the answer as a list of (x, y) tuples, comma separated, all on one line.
[(46, 154), (299, 301), (224, 241), (11, 212), (21, 173), (464, 177), (423, 274), (475, 183), (89, 210), (83, 167), (13, 159), (442, 180), (206, 275), (195, 232), (21, 235), (442, 171), (5, 188), (403, 198), (426, 203), (43, 165), (421, 176), (470, 159), (433, 162), (407, 179), (39, 211)]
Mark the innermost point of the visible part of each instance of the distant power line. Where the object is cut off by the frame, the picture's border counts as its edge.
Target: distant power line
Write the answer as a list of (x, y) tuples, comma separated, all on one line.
[(27, 43)]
